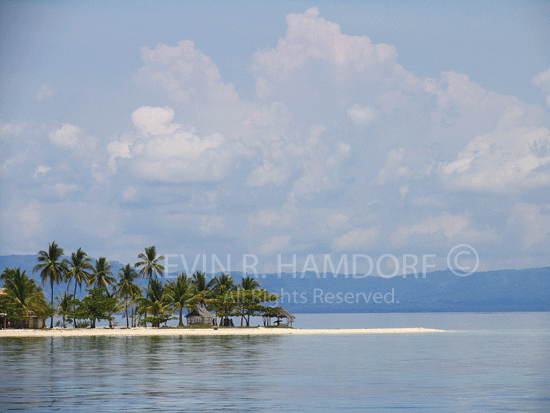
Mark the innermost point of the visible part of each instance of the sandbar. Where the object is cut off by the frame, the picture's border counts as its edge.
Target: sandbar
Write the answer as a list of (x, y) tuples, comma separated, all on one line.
[(174, 331)]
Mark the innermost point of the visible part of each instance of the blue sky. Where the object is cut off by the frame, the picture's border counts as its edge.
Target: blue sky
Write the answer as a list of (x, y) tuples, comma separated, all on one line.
[(273, 128)]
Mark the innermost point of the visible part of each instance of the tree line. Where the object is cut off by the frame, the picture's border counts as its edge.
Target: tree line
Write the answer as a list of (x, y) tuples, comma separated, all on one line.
[(107, 295)]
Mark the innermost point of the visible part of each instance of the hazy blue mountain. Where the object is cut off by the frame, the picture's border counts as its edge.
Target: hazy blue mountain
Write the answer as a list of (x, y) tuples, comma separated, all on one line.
[(504, 290), (491, 291)]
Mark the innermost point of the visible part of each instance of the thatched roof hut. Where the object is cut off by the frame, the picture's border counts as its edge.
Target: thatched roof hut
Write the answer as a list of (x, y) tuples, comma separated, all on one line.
[(27, 319), (200, 316), (283, 317)]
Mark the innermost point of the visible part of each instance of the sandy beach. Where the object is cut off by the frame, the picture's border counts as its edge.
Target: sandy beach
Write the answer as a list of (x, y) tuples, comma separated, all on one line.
[(149, 331)]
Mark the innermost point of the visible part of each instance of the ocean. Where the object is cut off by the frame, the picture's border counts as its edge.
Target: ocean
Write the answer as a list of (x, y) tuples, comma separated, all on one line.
[(484, 363)]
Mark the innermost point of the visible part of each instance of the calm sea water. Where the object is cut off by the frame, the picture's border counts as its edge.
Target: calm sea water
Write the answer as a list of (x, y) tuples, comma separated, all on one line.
[(487, 362)]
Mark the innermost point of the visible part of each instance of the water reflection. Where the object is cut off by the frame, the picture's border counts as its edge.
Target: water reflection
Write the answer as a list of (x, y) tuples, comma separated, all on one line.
[(462, 371), (185, 373)]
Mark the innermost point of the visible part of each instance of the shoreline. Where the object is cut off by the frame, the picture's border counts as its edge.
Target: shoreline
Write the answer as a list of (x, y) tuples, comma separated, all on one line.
[(174, 331)]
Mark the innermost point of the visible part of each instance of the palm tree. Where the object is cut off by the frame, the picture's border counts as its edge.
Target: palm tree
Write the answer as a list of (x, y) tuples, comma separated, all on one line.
[(78, 269), (150, 263), (51, 268), (64, 303), (178, 293), (223, 285), (102, 275), (127, 289), (8, 274), (155, 301), (23, 293), (114, 306), (201, 288), (249, 283)]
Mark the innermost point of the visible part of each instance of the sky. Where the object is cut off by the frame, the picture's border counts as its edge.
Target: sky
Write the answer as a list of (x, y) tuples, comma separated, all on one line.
[(277, 129)]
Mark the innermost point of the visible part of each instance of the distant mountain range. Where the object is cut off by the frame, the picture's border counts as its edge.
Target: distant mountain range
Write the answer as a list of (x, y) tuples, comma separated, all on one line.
[(439, 291)]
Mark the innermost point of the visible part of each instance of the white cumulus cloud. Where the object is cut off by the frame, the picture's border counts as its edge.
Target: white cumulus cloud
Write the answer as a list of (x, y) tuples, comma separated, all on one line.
[(361, 115), (542, 80), (193, 81), (445, 227), (310, 37), (275, 245), (505, 162), (356, 239), (154, 121), (67, 135), (535, 222)]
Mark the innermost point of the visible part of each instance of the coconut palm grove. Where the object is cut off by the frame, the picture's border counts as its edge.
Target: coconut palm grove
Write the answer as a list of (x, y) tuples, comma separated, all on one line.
[(104, 294)]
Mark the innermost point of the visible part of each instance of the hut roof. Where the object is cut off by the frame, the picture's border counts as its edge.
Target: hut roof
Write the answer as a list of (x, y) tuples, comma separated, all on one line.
[(280, 312), (200, 312)]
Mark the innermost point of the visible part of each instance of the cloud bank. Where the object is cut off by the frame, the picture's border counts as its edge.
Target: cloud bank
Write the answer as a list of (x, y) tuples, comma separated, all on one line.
[(342, 149)]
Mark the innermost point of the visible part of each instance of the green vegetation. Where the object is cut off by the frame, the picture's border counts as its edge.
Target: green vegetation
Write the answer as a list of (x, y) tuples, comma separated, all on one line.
[(179, 293), (51, 268), (78, 269), (128, 290), (102, 276), (21, 299), (65, 304), (97, 305)]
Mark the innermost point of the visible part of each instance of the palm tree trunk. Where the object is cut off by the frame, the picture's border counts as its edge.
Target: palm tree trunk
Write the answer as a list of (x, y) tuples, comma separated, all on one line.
[(74, 303), (181, 319), (51, 319)]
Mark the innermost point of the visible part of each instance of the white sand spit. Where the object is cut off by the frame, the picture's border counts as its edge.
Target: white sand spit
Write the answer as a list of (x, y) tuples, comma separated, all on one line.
[(172, 331)]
